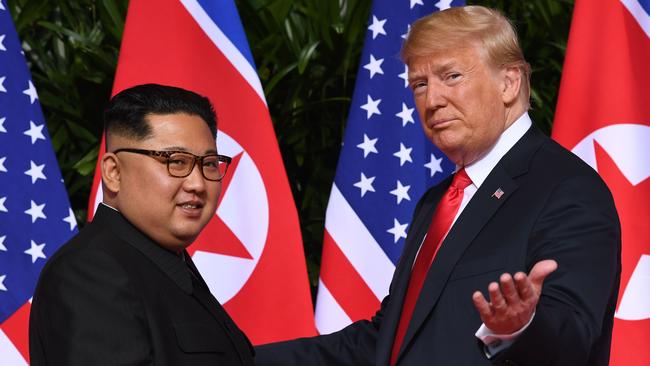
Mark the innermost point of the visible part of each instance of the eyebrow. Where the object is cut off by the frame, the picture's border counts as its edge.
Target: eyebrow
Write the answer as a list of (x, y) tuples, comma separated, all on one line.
[(437, 69), (183, 149)]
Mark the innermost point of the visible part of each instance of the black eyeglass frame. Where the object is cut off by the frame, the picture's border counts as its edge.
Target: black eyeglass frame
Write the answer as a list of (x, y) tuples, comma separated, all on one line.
[(166, 154)]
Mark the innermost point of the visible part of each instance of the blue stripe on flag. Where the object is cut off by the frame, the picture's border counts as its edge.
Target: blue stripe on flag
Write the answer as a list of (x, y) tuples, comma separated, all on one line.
[(225, 15)]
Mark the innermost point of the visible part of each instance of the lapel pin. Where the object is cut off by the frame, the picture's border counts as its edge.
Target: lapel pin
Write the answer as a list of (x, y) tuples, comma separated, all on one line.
[(498, 193)]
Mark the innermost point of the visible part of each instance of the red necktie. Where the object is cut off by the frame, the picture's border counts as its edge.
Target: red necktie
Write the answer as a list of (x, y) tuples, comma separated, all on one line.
[(440, 225)]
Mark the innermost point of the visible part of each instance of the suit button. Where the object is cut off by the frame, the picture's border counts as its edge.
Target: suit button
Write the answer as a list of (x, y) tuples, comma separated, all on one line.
[(509, 363)]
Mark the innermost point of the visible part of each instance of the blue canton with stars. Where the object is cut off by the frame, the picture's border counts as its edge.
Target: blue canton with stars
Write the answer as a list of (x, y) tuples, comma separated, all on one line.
[(386, 162), (35, 214)]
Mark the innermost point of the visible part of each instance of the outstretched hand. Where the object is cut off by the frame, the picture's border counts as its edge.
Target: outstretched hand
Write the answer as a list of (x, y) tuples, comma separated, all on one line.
[(513, 301)]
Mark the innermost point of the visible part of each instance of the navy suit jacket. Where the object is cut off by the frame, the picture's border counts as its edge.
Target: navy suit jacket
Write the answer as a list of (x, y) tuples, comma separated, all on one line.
[(111, 296), (554, 206)]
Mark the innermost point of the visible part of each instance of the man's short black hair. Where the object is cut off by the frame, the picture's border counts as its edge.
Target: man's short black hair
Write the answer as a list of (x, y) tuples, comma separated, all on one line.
[(126, 112)]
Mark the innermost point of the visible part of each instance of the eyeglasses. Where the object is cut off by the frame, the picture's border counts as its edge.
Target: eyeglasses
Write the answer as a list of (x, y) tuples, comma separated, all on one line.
[(181, 163)]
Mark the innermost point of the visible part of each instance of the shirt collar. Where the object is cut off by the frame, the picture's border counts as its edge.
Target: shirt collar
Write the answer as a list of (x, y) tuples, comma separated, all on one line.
[(480, 169)]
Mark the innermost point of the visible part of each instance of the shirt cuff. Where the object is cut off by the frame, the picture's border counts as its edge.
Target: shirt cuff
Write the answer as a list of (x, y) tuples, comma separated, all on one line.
[(495, 343)]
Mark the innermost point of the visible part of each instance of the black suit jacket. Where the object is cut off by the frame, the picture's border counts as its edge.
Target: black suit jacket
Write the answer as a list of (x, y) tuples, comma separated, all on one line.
[(554, 207), (111, 296)]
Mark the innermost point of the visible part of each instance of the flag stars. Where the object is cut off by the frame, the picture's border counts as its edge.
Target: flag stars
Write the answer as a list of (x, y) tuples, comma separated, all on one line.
[(377, 27), (365, 184), (371, 107), (2, 204), (416, 2), (2, 164), (36, 251), (368, 145), (2, 243), (374, 66), (2, 124), (70, 219), (401, 192), (2, 7), (404, 154), (3, 277), (31, 92), (406, 114), (36, 211), (434, 165), (444, 4), (2, 84), (2, 46), (36, 172), (398, 230), (35, 132), (408, 30), (405, 76)]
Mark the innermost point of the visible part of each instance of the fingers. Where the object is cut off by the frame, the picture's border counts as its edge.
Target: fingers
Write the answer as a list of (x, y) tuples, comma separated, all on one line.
[(483, 307), (497, 300), (539, 272), (509, 289)]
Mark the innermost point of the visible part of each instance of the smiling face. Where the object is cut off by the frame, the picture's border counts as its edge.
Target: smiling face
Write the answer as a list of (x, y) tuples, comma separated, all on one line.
[(464, 104), (171, 211)]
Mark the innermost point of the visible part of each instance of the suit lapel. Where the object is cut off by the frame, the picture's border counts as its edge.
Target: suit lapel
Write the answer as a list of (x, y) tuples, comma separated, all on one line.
[(399, 284)]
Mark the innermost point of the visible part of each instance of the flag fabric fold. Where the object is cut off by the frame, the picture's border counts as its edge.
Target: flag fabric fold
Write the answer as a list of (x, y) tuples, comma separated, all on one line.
[(603, 116), (386, 164), (35, 213), (251, 252)]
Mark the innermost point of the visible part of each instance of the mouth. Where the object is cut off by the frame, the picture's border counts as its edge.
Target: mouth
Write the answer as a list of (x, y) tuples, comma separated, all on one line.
[(441, 122), (191, 208)]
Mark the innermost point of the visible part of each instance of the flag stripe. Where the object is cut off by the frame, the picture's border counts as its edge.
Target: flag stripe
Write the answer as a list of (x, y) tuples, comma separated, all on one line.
[(366, 256), (16, 329), (238, 61), (9, 353), (345, 284), (639, 13), (334, 317)]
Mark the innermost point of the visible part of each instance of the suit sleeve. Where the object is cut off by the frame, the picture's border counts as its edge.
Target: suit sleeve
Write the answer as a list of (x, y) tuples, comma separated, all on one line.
[(579, 228), (85, 312), (351, 346), (354, 345)]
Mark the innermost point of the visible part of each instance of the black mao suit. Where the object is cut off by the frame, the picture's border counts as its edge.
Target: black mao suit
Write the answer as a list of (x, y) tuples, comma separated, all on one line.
[(553, 207), (111, 296)]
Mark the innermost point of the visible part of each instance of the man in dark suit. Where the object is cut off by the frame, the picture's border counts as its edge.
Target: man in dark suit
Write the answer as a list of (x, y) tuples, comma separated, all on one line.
[(124, 291), (519, 203)]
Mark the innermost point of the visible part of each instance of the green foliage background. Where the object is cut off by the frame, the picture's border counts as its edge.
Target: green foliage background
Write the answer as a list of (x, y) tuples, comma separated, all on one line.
[(307, 53)]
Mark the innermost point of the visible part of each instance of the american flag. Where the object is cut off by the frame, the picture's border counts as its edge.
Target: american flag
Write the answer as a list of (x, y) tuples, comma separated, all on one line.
[(386, 164), (35, 214)]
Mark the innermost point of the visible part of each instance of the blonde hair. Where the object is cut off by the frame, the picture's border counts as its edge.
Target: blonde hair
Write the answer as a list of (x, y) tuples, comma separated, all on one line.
[(459, 27)]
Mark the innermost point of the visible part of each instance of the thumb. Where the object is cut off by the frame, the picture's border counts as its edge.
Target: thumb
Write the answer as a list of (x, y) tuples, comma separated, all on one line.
[(539, 272)]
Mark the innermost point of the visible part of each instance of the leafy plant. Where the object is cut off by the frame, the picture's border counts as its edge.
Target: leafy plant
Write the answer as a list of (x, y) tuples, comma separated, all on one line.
[(71, 48), (307, 53)]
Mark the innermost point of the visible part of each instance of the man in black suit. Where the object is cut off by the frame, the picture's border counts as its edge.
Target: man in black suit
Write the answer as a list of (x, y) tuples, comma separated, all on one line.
[(124, 290), (519, 203)]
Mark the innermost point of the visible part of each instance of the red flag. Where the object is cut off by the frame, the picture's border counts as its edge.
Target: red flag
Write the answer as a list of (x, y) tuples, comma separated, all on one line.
[(603, 115), (251, 252)]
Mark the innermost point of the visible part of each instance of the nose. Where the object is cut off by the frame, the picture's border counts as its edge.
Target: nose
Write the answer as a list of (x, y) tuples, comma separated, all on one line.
[(435, 98), (195, 182)]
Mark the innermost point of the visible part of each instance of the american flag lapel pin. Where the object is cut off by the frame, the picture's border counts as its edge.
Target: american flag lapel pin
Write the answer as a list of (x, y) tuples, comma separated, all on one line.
[(498, 193)]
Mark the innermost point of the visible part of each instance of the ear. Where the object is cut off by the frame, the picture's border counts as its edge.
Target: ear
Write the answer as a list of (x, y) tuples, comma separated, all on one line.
[(111, 177), (511, 84)]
